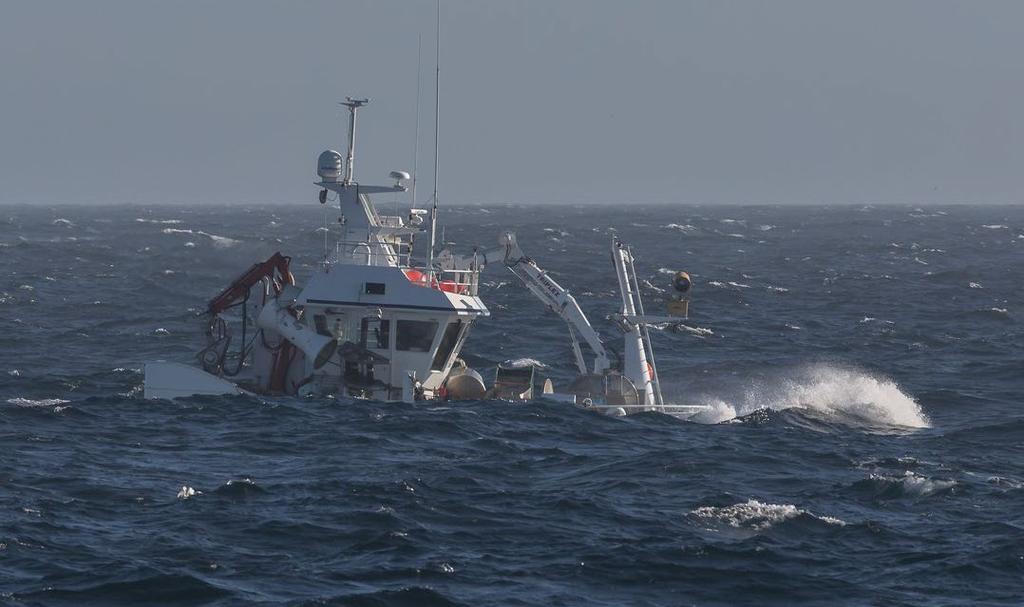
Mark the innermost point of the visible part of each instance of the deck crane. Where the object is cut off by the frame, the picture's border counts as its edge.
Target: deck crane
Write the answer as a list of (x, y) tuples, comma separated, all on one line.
[(639, 365), (560, 301)]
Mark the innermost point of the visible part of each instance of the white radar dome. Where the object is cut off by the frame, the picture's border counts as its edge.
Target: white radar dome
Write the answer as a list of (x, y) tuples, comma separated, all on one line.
[(328, 166)]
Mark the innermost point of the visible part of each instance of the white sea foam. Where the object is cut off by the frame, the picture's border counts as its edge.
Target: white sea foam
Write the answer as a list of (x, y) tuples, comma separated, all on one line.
[(995, 226), (1005, 483), (686, 228), (60, 221), (755, 515), (161, 221), (187, 492), (42, 402), (824, 389), (975, 285), (914, 485), (650, 286), (517, 363), (221, 242), (701, 331)]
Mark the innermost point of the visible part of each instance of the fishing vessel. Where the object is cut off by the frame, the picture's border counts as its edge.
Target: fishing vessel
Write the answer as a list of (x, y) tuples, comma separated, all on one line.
[(374, 321)]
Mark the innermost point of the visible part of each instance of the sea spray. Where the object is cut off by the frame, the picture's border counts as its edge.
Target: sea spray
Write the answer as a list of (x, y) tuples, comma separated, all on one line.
[(823, 388)]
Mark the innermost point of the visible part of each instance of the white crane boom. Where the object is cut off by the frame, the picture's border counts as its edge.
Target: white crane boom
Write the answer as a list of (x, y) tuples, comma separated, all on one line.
[(559, 300)]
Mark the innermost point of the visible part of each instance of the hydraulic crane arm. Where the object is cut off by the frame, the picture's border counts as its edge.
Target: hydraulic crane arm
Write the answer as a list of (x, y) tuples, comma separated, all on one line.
[(558, 300), (275, 264)]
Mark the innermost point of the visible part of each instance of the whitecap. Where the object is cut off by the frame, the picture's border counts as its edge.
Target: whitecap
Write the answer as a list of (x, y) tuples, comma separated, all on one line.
[(755, 515), (996, 226), (825, 389), (775, 289), (914, 485), (161, 331), (160, 221), (60, 221), (701, 331), (975, 285), (1008, 483), (221, 242), (218, 241), (42, 402), (650, 286), (686, 228), (187, 492), (517, 363)]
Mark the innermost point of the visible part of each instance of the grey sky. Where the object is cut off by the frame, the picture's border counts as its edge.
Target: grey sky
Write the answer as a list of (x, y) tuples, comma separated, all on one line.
[(542, 101)]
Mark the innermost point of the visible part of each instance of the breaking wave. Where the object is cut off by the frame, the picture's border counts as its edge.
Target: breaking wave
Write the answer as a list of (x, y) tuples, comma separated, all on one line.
[(909, 485), (41, 402), (824, 389), (754, 515), (220, 242)]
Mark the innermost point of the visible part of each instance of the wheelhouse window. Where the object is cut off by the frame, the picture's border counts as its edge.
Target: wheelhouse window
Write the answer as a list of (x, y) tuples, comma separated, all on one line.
[(321, 325), (375, 333), (415, 335), (448, 341)]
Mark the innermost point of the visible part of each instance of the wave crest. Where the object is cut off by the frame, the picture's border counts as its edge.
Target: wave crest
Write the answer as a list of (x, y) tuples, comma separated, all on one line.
[(756, 515), (824, 389)]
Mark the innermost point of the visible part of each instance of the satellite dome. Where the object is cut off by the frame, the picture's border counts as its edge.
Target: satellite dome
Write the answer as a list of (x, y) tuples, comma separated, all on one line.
[(328, 166)]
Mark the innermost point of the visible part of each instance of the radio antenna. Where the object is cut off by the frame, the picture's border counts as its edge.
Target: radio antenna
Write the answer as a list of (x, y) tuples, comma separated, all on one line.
[(416, 148), (437, 113)]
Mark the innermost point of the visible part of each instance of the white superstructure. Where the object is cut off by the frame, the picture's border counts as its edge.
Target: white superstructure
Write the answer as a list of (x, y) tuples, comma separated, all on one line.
[(373, 321), (370, 322)]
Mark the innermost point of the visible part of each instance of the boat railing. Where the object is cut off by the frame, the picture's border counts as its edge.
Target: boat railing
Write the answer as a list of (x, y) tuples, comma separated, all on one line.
[(465, 281)]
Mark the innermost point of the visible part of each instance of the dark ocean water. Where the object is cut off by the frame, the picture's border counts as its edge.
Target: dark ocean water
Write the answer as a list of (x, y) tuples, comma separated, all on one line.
[(866, 444)]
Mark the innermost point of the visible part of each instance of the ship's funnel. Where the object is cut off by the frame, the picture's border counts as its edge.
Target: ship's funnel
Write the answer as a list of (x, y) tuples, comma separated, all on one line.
[(318, 348)]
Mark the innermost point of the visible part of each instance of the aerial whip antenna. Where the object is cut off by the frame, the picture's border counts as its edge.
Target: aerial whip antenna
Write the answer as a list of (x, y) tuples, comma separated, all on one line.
[(416, 148), (437, 112)]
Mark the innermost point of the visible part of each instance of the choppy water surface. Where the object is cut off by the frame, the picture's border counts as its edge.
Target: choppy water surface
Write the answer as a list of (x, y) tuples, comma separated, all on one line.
[(865, 443)]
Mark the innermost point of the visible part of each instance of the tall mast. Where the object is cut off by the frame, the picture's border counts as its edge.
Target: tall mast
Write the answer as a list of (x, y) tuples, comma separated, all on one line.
[(437, 112), (416, 145), (352, 105)]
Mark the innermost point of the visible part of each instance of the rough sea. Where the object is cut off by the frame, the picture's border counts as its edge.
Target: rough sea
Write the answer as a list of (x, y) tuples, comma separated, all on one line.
[(865, 443)]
